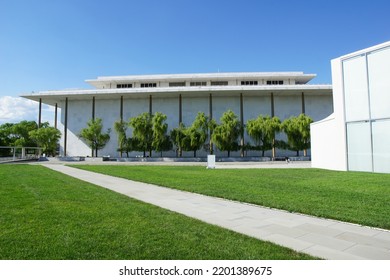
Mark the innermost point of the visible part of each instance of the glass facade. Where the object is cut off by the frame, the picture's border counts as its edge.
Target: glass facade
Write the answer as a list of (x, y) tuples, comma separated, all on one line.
[(366, 80)]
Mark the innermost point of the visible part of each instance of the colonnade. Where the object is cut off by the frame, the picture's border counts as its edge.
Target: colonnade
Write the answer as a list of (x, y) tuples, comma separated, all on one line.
[(180, 113)]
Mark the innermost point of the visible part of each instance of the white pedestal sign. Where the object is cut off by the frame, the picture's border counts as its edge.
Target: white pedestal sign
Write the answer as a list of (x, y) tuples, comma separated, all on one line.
[(210, 161)]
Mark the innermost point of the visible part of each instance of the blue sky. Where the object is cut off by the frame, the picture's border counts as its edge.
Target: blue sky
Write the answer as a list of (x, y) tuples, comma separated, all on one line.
[(56, 44)]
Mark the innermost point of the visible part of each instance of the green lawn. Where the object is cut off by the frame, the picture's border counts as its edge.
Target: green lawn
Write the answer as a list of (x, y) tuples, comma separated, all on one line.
[(356, 197), (48, 215)]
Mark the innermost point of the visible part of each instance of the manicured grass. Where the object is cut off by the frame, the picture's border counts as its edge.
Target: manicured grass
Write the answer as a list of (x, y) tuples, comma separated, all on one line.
[(357, 197), (48, 215)]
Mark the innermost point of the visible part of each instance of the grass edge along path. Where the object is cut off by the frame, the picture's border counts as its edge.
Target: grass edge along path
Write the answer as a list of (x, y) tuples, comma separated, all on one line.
[(356, 197), (48, 215)]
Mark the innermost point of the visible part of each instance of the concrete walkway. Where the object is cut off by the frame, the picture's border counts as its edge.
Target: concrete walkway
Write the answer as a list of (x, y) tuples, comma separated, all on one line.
[(323, 238)]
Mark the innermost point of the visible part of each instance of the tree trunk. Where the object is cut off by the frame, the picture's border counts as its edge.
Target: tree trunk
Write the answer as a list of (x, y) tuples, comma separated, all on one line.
[(161, 153), (96, 152), (262, 154), (144, 153), (298, 153), (228, 153)]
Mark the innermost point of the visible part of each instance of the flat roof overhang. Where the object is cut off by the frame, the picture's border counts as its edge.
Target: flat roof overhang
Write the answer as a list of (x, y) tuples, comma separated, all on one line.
[(53, 97), (298, 76)]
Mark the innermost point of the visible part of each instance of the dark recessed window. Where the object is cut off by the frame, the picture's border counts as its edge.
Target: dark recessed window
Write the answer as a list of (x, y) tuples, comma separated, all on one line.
[(219, 83), (143, 85), (177, 84), (274, 82), (198, 84), (124, 85), (249, 83)]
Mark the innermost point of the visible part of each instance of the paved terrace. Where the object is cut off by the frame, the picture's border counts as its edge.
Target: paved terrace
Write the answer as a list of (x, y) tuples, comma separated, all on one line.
[(328, 239)]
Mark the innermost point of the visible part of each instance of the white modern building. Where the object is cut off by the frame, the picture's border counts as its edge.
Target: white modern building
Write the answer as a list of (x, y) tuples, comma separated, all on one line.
[(181, 97), (357, 135)]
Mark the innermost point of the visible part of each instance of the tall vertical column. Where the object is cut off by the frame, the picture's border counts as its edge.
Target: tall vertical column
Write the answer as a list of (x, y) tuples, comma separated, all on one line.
[(121, 109), (66, 126), (40, 113), (180, 110), (303, 112), (210, 118), (121, 121), (55, 115), (210, 107), (242, 124), (93, 108), (93, 117), (273, 115), (150, 105)]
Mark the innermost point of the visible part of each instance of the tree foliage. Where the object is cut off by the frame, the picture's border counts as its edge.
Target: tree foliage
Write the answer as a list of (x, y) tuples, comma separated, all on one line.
[(197, 134), (159, 129), (21, 133), (143, 131), (27, 134), (149, 132), (94, 136), (226, 134), (47, 138), (178, 138), (120, 128), (262, 130), (6, 138), (297, 130), (191, 138)]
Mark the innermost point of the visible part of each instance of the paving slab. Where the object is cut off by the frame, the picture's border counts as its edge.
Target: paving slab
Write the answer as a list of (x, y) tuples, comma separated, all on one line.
[(369, 252), (332, 254), (324, 238), (326, 241), (364, 240)]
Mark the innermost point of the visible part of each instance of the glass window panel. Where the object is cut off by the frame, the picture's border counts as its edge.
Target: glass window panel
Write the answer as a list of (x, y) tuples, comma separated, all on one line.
[(381, 145), (359, 146), (379, 77), (355, 89)]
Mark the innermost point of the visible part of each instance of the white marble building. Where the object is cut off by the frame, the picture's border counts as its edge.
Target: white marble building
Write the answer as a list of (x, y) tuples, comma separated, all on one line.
[(181, 97), (356, 136)]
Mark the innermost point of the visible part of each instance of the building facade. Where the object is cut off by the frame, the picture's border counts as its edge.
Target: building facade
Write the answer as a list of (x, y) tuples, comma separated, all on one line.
[(356, 136), (181, 97)]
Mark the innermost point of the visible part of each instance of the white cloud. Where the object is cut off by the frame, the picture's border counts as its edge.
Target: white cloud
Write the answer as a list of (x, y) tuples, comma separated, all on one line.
[(16, 109)]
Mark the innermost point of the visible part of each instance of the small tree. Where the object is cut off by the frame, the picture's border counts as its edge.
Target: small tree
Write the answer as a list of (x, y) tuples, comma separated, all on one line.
[(120, 128), (160, 141), (178, 137), (21, 133), (226, 134), (192, 140), (94, 136), (197, 133), (297, 130), (47, 138), (133, 144), (262, 130), (143, 131), (166, 144), (212, 124), (6, 138)]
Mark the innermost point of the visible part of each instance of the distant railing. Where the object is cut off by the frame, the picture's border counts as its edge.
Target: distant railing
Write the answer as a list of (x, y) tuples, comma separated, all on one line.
[(9, 153)]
